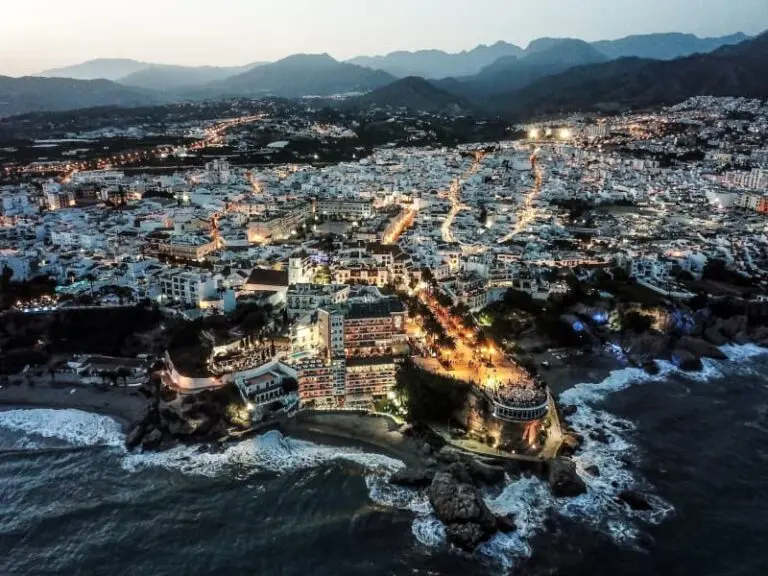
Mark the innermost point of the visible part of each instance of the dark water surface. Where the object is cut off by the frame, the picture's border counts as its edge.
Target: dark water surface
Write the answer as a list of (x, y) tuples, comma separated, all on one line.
[(74, 503)]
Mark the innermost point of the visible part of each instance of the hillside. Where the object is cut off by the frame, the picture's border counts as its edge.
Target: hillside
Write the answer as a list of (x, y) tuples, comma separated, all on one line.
[(31, 94), (437, 63), (413, 93), (168, 77), (511, 73), (665, 46), (740, 70), (304, 75), (101, 68)]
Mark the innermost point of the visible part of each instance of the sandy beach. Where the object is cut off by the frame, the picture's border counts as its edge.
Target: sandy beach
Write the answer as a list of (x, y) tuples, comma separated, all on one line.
[(370, 433), (126, 405)]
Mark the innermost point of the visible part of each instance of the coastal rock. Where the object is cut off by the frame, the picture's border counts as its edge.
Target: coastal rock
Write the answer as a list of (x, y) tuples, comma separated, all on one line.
[(759, 335), (412, 477), (651, 367), (483, 474), (713, 335), (564, 481), (461, 508), (466, 536), (645, 346), (734, 327), (571, 443), (134, 437), (152, 439), (634, 500), (568, 410), (506, 523), (460, 473), (687, 360), (701, 348), (600, 435), (593, 471)]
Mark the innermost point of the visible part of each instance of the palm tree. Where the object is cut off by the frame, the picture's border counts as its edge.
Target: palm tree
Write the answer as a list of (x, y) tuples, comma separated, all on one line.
[(91, 279)]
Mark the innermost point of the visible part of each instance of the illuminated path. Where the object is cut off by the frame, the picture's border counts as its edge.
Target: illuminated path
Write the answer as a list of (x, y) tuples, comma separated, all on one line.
[(528, 212), (455, 197)]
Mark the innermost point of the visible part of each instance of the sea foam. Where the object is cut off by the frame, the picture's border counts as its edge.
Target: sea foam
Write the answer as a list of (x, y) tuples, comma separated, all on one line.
[(75, 427), (270, 452)]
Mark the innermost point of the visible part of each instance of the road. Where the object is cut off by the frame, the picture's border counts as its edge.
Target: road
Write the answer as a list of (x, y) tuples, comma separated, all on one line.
[(454, 194), (213, 135), (528, 211)]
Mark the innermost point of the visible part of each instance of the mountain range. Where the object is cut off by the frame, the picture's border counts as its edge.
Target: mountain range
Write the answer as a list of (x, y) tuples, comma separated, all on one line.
[(500, 78), (738, 70)]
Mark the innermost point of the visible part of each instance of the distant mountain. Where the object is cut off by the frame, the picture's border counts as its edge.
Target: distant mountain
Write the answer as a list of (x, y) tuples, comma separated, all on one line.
[(740, 70), (169, 77), (438, 64), (303, 75), (665, 46), (31, 94), (541, 59), (101, 68), (413, 93)]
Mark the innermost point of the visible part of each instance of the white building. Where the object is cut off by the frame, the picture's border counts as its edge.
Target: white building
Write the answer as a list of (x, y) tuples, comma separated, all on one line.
[(188, 287)]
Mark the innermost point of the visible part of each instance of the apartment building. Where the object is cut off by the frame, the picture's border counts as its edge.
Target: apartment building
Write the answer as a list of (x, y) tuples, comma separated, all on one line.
[(279, 225), (368, 379), (187, 286), (346, 209), (304, 298)]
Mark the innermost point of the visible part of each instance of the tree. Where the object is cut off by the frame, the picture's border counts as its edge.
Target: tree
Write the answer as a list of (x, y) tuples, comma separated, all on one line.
[(637, 322), (91, 279), (5, 278)]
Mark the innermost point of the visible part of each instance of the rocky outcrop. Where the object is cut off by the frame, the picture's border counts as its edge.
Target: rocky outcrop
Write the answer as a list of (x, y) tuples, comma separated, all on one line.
[(152, 439), (687, 360), (460, 507), (134, 437), (593, 471), (564, 481), (701, 348), (412, 477), (634, 500)]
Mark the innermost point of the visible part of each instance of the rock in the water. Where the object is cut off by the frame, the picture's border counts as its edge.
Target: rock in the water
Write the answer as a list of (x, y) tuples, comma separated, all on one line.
[(506, 523), (686, 360), (152, 439), (634, 500), (651, 367), (713, 335), (600, 435), (484, 474), (568, 410), (412, 477), (134, 437), (461, 508), (460, 472), (593, 471), (564, 481), (466, 536), (701, 348)]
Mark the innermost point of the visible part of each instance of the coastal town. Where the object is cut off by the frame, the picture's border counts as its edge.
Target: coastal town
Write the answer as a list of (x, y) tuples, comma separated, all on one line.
[(272, 265)]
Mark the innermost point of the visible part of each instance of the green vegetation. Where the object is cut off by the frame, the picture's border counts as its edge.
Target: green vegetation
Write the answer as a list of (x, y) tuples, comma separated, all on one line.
[(430, 397)]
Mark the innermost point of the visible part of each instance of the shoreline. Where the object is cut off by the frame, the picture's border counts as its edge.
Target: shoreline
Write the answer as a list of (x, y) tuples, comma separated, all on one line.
[(126, 406)]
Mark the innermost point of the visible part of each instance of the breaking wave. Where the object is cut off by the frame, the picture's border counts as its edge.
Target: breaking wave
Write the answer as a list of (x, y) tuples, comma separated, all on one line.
[(74, 427)]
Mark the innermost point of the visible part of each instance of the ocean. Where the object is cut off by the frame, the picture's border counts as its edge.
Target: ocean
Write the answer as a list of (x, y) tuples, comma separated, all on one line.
[(75, 502)]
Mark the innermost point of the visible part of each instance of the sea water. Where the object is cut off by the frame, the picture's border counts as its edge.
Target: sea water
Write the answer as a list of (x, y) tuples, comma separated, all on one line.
[(76, 502)]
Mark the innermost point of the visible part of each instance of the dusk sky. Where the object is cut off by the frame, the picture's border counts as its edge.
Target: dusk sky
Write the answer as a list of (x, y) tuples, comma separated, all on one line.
[(40, 34)]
